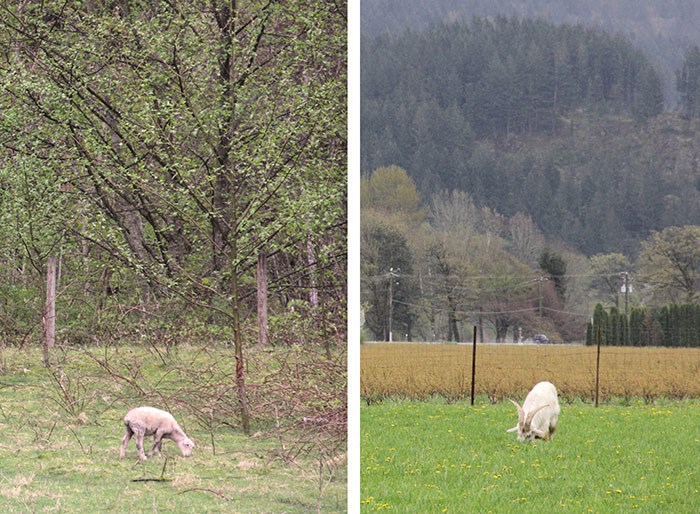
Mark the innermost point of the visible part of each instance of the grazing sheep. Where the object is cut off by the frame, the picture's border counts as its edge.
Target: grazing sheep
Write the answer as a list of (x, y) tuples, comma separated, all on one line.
[(537, 418), (143, 421)]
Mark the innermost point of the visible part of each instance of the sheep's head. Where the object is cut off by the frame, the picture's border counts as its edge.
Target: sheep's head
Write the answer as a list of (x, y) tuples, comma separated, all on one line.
[(526, 432), (186, 446)]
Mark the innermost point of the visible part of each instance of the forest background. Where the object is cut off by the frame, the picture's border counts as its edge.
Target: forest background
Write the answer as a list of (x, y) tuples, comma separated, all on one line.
[(174, 173), (523, 161)]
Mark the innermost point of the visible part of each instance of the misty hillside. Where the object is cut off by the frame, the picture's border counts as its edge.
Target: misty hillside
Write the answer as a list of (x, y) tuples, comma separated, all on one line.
[(662, 29), (564, 123), (520, 158)]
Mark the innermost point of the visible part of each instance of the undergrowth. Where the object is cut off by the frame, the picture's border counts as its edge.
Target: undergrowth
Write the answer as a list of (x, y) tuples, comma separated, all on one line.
[(62, 427)]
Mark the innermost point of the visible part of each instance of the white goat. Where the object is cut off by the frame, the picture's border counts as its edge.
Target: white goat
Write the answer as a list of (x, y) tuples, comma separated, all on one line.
[(143, 421), (537, 418)]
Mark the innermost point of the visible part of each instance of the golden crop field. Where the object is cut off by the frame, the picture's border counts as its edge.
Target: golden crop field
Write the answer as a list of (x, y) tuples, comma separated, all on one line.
[(422, 370)]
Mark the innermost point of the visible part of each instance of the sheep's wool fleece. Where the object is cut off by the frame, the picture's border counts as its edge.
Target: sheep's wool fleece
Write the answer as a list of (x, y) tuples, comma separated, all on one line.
[(149, 416)]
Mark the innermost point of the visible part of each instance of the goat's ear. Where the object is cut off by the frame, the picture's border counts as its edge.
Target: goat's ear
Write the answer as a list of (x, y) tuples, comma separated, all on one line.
[(512, 429)]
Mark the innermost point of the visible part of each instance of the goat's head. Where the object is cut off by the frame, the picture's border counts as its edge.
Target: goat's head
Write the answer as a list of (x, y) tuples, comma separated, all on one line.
[(526, 432)]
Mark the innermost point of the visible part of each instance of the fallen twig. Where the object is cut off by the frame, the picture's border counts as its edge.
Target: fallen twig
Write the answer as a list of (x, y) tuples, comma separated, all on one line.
[(207, 490)]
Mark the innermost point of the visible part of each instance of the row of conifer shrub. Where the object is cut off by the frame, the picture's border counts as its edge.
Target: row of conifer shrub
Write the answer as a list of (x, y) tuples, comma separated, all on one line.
[(674, 325)]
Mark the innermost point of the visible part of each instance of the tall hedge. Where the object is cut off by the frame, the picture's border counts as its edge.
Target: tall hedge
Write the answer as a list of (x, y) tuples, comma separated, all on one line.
[(674, 325)]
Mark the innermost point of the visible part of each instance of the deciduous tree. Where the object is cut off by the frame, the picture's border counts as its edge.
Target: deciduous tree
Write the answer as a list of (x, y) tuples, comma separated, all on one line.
[(608, 274), (669, 262), (189, 136)]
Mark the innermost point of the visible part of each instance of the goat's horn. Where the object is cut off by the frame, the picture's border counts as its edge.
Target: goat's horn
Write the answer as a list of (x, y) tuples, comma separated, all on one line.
[(531, 414), (521, 413)]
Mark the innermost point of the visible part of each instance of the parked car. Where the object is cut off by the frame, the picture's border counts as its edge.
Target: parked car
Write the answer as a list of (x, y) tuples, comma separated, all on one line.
[(540, 339)]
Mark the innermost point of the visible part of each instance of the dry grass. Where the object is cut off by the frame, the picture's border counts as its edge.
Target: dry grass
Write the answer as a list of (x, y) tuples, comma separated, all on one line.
[(60, 438), (419, 371)]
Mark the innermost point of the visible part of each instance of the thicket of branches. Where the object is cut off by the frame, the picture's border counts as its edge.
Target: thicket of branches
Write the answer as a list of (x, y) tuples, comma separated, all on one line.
[(156, 150)]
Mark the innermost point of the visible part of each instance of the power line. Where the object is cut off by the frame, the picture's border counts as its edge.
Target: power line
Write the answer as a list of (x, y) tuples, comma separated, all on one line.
[(532, 277), (482, 312)]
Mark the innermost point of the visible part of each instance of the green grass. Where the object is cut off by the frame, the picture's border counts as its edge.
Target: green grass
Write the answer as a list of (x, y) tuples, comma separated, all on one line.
[(60, 439), (439, 457)]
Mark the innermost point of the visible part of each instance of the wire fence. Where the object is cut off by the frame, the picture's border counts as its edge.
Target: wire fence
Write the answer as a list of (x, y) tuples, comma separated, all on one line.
[(423, 370)]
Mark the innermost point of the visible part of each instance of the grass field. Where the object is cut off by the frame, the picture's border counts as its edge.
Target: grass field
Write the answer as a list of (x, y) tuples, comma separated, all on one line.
[(61, 432), (435, 457), (421, 371)]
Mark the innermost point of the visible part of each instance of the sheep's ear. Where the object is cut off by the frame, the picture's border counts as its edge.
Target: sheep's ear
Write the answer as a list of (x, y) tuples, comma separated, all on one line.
[(531, 414)]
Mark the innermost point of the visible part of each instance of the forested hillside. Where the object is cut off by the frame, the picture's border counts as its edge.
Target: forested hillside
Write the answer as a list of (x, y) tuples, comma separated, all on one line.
[(562, 123), (679, 18), (518, 172), (662, 29)]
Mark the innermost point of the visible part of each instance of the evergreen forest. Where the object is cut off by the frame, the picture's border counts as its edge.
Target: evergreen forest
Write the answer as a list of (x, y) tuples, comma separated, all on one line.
[(548, 171)]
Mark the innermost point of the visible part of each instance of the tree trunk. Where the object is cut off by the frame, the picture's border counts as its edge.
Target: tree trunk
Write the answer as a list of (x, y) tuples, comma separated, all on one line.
[(262, 299), (50, 310), (453, 335), (481, 326), (311, 256), (452, 328), (238, 342)]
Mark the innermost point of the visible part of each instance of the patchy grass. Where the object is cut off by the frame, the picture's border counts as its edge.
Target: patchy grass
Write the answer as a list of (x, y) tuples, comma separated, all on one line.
[(439, 457), (61, 431)]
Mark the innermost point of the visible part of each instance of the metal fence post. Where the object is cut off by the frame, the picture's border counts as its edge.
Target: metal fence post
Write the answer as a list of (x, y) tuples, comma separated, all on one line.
[(597, 367), (473, 363)]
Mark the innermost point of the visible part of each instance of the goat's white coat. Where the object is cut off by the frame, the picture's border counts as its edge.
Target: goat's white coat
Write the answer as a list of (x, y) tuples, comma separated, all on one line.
[(539, 415), (143, 421)]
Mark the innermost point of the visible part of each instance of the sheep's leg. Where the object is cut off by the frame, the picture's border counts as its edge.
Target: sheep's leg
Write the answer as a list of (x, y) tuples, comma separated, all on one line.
[(158, 445), (140, 433), (157, 441), (125, 441)]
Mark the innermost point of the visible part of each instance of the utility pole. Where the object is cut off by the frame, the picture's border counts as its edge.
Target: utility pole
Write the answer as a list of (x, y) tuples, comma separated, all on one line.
[(625, 276), (392, 275), (539, 293)]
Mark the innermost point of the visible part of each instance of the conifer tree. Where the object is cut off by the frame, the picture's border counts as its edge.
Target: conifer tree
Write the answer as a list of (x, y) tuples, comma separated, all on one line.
[(688, 82)]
